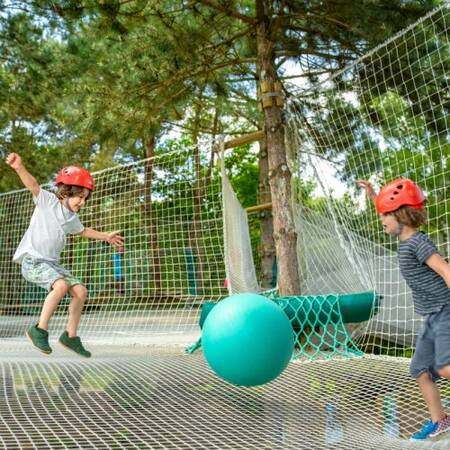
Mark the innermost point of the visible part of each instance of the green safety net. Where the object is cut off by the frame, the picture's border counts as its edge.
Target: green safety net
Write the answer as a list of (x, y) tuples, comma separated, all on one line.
[(319, 322)]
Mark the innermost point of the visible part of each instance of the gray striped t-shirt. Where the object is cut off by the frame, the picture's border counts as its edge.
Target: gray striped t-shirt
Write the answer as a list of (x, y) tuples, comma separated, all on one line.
[(430, 292)]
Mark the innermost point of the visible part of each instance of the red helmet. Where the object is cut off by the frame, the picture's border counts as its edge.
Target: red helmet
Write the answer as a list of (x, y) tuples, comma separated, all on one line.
[(75, 176), (398, 193)]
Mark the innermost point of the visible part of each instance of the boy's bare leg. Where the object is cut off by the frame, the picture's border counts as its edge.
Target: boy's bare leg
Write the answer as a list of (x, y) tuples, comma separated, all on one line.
[(444, 372), (79, 295), (59, 289), (432, 397)]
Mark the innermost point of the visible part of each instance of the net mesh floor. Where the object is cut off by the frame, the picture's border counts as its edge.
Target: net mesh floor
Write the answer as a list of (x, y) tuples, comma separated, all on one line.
[(159, 397), (386, 112)]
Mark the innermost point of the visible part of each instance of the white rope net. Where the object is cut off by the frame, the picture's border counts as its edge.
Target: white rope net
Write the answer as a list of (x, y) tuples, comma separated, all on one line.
[(173, 259), (383, 117)]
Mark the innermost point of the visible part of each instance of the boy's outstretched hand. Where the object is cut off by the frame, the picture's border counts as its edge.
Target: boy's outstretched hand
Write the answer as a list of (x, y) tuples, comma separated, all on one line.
[(14, 161), (367, 186), (116, 240)]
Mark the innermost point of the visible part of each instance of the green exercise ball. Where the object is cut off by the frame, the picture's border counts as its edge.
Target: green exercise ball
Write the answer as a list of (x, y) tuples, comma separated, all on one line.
[(247, 339)]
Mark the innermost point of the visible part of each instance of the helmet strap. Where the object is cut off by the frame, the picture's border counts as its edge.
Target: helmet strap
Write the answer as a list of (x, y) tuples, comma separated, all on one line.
[(66, 203), (399, 229)]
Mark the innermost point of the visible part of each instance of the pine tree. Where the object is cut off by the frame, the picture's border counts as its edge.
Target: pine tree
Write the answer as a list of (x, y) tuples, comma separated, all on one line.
[(150, 59)]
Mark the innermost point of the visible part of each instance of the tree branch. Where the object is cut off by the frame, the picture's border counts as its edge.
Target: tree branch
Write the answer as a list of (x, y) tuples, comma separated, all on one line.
[(227, 11)]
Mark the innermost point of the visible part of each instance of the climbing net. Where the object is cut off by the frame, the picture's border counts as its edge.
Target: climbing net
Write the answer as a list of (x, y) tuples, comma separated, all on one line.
[(348, 386)]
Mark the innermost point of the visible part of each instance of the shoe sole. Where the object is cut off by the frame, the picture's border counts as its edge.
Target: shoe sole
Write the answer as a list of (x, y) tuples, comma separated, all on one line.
[(72, 350), (31, 340), (439, 434)]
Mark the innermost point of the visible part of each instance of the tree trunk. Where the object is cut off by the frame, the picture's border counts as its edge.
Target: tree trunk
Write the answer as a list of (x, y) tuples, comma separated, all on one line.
[(92, 249), (215, 130), (197, 236), (279, 173), (9, 294), (266, 222), (149, 213)]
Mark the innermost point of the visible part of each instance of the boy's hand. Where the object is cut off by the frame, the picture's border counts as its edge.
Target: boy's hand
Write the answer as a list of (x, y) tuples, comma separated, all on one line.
[(367, 186), (14, 160), (116, 240)]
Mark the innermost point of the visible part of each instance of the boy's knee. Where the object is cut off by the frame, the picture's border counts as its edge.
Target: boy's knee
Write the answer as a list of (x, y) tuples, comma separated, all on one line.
[(60, 286), (420, 374), (79, 291), (416, 371), (444, 372)]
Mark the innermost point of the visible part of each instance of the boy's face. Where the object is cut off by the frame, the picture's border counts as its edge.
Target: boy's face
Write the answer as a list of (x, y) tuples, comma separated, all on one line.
[(76, 202), (390, 224)]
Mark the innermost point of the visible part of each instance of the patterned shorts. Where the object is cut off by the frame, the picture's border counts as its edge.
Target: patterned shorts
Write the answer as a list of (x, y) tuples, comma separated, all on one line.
[(45, 273)]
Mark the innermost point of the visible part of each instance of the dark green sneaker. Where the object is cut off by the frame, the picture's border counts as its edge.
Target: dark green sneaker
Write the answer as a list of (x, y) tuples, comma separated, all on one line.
[(39, 338), (74, 344)]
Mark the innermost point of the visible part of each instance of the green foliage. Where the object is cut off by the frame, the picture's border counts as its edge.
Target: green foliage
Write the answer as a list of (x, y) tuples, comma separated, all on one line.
[(242, 169), (103, 76), (33, 77), (93, 82)]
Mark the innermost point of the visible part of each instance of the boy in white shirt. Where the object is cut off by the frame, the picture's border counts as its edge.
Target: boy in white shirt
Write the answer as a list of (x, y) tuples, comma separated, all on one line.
[(54, 217)]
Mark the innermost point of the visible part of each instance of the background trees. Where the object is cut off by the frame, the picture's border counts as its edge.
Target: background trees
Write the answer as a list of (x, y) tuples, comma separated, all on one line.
[(98, 82)]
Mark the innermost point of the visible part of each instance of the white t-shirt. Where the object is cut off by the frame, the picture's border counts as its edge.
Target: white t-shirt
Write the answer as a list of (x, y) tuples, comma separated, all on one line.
[(45, 236)]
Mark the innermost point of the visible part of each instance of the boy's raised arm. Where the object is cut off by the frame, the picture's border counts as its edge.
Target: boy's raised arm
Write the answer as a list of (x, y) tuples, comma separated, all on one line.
[(15, 162), (367, 186)]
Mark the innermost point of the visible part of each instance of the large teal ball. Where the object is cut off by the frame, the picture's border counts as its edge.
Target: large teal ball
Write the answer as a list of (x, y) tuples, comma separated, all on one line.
[(247, 339)]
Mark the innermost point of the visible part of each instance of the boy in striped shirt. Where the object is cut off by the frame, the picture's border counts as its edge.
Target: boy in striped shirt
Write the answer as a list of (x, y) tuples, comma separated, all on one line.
[(401, 205)]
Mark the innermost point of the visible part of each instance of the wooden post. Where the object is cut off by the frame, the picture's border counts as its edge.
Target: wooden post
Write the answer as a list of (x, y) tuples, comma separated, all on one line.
[(257, 208), (251, 137), (270, 94)]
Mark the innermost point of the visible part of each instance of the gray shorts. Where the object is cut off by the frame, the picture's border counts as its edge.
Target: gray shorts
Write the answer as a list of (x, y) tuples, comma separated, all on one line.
[(433, 344), (45, 273)]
